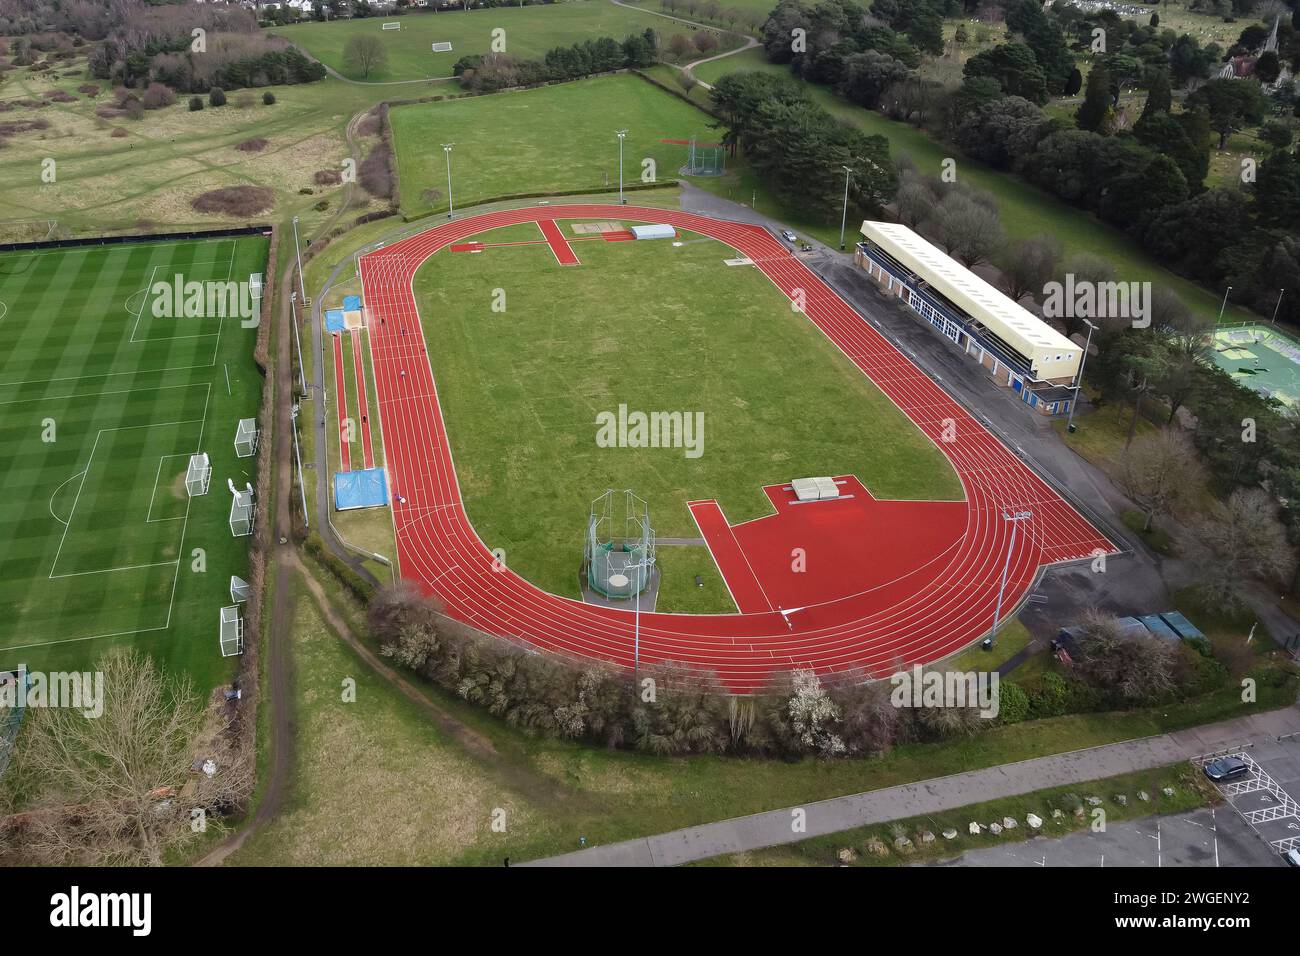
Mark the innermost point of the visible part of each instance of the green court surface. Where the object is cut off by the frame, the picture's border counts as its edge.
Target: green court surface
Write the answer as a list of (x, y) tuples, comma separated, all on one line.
[(657, 327), (1261, 358), (102, 402)]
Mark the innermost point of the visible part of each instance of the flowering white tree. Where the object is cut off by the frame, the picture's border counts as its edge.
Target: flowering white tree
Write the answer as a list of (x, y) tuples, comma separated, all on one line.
[(813, 715)]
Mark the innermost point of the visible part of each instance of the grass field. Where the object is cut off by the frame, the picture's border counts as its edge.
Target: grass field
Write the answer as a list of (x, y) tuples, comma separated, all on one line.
[(529, 33), (103, 402), (549, 139), (656, 327), (416, 794)]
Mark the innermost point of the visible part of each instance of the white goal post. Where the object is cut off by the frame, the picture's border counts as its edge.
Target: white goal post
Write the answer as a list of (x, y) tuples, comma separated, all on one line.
[(243, 511), (442, 46), (246, 435), (232, 632), (395, 25), (198, 474)]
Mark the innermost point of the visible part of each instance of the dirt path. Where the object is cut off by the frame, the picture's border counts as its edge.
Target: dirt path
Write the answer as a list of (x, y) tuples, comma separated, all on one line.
[(278, 686)]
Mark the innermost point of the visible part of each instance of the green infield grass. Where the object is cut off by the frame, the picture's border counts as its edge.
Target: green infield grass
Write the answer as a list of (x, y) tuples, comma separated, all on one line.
[(529, 32), (102, 402), (658, 327)]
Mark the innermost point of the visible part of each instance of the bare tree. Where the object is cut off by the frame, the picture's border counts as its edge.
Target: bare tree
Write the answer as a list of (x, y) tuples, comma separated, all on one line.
[(1029, 264), (117, 789), (1136, 667), (967, 229), (1244, 541), (365, 53), (1160, 471)]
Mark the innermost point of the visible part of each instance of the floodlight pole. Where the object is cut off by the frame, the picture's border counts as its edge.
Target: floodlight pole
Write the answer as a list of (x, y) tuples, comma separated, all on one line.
[(446, 148), (302, 369), (1078, 382), (621, 201), (1224, 304), (844, 217), (1015, 523), (1280, 293), (298, 249), (297, 453)]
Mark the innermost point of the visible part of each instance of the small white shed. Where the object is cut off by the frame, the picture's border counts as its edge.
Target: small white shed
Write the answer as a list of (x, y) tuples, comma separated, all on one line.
[(657, 231)]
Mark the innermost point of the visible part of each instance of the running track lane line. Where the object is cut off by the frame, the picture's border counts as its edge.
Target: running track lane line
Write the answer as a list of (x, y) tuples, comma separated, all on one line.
[(367, 449), (341, 403), (730, 558), (559, 244), (859, 635)]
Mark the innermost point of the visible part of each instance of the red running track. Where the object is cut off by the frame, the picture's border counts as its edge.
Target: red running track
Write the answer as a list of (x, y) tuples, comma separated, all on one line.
[(924, 614), (363, 400), (341, 403)]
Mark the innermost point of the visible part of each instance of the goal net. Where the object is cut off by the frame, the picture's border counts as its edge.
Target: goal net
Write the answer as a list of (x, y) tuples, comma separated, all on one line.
[(246, 438), (442, 46), (232, 632), (198, 474)]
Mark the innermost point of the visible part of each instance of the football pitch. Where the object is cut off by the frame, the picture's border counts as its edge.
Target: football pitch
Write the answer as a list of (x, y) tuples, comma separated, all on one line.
[(106, 388), (527, 353)]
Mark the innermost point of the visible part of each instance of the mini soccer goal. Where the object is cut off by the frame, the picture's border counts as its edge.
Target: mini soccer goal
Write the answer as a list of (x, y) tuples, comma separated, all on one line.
[(620, 548), (393, 26), (242, 510), (442, 46), (198, 474), (232, 632), (246, 435), (239, 589)]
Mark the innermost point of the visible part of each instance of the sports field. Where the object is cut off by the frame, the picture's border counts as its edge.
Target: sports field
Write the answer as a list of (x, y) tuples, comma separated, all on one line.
[(1260, 358), (529, 33), (103, 397), (552, 138), (656, 327)]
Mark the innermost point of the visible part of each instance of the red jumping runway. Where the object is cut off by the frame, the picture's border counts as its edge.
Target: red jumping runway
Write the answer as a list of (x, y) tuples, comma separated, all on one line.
[(925, 608), (341, 404), (363, 400)]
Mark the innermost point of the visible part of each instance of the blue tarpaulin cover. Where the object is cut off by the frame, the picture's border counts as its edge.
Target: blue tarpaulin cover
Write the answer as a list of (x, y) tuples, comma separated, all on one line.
[(360, 489), (333, 320), (351, 303)]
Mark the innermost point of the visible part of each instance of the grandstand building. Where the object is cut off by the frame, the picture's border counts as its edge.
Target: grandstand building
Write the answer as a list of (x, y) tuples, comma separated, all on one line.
[(1022, 352)]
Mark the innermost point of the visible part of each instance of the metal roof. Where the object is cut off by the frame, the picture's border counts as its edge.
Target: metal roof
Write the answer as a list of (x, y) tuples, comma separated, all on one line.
[(1005, 318)]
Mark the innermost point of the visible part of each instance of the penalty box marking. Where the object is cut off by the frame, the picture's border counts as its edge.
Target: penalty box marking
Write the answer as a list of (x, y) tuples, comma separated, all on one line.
[(201, 422)]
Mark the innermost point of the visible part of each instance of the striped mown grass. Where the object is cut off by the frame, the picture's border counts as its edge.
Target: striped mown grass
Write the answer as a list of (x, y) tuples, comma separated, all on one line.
[(102, 401)]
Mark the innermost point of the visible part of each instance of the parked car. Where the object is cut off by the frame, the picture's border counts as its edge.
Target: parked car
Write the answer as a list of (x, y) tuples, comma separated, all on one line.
[(789, 236), (1226, 768), (1292, 857)]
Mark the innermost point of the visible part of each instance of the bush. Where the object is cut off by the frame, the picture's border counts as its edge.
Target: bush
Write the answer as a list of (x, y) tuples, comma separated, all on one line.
[(254, 145), (327, 177), (268, 98), (235, 201), (1013, 703), (158, 95), (196, 103), (216, 96)]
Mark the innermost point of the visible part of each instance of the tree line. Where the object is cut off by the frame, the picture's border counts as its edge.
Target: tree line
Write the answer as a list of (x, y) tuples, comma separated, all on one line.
[(680, 710), (487, 73)]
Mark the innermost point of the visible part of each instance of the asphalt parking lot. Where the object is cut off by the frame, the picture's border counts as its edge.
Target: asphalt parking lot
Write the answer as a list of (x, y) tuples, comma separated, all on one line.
[(1208, 837), (1268, 798), (1258, 820)]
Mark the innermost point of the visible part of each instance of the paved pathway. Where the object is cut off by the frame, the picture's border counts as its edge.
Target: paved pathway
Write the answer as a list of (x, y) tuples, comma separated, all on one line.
[(931, 796)]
